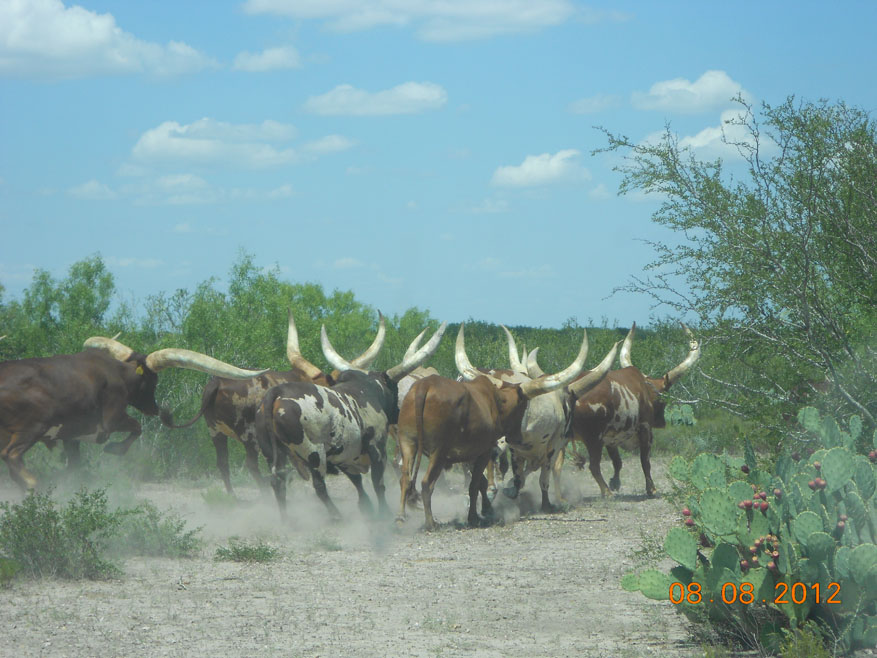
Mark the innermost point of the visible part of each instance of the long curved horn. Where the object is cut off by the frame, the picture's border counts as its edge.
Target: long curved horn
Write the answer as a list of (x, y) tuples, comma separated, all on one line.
[(464, 365), (179, 358), (111, 345), (514, 360), (690, 360), (533, 369), (624, 355), (365, 359), (410, 362), (584, 384), (335, 360), (293, 352), (415, 345), (549, 383)]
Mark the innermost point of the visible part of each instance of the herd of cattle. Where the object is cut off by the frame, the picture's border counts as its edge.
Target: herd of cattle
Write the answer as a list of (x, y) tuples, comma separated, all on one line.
[(340, 421)]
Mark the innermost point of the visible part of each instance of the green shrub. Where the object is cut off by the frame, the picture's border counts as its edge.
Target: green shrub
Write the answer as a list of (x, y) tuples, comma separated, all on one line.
[(46, 540), (241, 550), (41, 538), (797, 536), (147, 531)]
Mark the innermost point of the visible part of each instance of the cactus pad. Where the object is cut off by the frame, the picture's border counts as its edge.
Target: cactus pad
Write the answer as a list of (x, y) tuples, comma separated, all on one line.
[(719, 511), (655, 585), (820, 546), (682, 547), (679, 469), (837, 468), (863, 562), (805, 525)]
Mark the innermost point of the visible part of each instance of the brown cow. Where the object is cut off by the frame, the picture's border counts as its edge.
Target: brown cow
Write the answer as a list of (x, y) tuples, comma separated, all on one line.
[(460, 422), (229, 405), (622, 411), (84, 396)]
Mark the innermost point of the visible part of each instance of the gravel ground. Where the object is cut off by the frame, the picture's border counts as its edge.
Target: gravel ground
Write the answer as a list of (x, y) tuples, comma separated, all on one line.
[(531, 585)]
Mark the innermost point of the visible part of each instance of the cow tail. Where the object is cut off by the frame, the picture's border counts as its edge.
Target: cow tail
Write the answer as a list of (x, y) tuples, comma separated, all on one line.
[(206, 400), (419, 403), (265, 430)]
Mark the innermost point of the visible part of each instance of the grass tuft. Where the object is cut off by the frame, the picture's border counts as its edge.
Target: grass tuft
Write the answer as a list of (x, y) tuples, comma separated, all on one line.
[(241, 550)]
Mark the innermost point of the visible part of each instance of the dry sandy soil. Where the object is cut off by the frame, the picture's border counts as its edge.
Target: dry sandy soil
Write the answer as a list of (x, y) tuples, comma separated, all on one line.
[(532, 585)]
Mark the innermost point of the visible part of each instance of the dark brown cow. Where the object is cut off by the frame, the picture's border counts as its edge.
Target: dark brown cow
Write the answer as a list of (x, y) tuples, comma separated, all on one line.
[(622, 411), (74, 397), (342, 428), (229, 405), (460, 422)]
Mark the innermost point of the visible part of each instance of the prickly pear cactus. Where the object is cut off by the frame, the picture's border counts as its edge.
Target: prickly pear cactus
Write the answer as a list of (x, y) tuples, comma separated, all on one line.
[(806, 523)]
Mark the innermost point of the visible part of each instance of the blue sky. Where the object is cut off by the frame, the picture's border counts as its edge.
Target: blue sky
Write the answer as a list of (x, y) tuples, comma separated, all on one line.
[(418, 152)]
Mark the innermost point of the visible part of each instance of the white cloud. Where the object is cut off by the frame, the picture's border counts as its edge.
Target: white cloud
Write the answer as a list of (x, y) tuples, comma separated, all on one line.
[(490, 207), (544, 169), (46, 39), (271, 59), (407, 98), (595, 104), (445, 20), (712, 90), (709, 141), (185, 227), (346, 263), (329, 144), (144, 263), (92, 190), (282, 192), (599, 192), (211, 142)]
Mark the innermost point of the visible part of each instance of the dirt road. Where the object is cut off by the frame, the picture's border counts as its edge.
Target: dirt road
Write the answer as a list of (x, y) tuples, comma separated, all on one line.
[(533, 585)]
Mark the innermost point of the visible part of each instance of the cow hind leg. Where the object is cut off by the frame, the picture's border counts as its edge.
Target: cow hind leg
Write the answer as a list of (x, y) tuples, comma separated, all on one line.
[(595, 449), (518, 476), (427, 486), (365, 503), (645, 448), (378, 456), (323, 494), (278, 484), (556, 470), (12, 454), (220, 444), (615, 456), (123, 424), (544, 481), (478, 484), (252, 463)]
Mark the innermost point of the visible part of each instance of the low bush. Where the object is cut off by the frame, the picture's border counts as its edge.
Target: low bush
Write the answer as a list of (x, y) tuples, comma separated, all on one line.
[(40, 538), (241, 550)]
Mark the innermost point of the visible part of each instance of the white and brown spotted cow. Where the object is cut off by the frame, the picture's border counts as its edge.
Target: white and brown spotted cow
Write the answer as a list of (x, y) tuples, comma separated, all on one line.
[(342, 428), (622, 411)]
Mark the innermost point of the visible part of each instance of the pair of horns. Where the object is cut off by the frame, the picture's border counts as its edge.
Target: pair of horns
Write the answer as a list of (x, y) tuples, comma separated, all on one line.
[(173, 357), (363, 361), (577, 387), (414, 355), (675, 373), (542, 384)]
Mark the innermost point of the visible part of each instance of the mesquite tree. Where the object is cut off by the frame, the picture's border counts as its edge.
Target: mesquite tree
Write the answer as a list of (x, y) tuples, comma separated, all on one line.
[(780, 261)]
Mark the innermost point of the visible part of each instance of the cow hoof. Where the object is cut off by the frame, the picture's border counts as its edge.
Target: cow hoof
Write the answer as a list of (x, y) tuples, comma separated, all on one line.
[(615, 484), (491, 494), (554, 509), (116, 448), (510, 492)]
